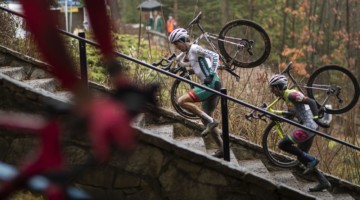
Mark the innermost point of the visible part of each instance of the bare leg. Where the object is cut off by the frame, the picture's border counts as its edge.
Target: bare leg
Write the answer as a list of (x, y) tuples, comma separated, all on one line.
[(188, 103), (208, 106)]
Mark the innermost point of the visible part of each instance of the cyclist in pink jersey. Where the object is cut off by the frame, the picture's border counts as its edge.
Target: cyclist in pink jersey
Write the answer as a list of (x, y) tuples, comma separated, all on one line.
[(304, 109)]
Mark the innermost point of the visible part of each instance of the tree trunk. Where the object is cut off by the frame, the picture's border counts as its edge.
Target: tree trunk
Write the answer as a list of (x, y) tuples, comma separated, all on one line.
[(348, 31), (224, 11), (293, 22), (251, 4), (312, 30), (175, 9), (115, 14), (327, 27), (284, 33)]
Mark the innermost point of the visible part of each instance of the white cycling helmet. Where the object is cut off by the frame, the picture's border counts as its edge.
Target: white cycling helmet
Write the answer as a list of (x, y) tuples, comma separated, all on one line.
[(279, 80), (178, 34)]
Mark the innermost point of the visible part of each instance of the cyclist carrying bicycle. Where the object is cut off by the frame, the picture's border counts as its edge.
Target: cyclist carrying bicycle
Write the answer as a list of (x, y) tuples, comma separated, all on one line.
[(204, 63), (306, 112)]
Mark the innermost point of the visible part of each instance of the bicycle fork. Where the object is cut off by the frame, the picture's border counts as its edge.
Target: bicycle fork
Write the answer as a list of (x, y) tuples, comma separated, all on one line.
[(279, 130)]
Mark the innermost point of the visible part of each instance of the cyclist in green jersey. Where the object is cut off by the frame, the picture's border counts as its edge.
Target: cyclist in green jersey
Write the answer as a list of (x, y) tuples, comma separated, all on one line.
[(204, 63)]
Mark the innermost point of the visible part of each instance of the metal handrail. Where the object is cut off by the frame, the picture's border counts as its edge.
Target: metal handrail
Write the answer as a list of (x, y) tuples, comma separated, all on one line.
[(205, 88), (162, 35)]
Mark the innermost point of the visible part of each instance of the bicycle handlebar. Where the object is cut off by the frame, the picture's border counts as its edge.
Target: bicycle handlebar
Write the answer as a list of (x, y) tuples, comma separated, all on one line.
[(254, 115), (167, 64)]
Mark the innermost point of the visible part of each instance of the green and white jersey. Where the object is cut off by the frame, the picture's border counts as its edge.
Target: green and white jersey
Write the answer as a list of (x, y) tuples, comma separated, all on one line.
[(204, 62)]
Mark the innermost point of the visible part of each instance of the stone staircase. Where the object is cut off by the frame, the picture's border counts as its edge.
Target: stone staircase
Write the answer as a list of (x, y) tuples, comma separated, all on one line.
[(36, 79), (191, 139), (177, 130)]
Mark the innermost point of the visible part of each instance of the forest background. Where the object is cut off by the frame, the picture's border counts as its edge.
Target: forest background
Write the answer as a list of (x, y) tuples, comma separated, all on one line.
[(318, 31), (311, 33)]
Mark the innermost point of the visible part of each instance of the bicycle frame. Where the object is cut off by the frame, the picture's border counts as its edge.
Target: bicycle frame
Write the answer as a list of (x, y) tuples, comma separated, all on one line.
[(167, 66), (299, 86), (279, 130), (331, 91), (206, 35), (274, 126), (269, 133)]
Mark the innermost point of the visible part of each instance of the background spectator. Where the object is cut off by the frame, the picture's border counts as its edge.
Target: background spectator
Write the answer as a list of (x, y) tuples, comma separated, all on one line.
[(170, 24), (158, 23)]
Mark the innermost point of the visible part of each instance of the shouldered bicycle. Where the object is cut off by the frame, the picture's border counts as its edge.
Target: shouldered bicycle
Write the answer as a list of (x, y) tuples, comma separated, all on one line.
[(330, 85), (334, 88), (241, 43)]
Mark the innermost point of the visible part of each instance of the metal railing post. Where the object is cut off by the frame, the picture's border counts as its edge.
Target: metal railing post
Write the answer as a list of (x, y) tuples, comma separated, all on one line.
[(83, 60), (225, 125)]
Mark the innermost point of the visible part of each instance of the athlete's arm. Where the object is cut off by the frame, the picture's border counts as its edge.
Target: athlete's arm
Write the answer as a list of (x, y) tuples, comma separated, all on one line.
[(298, 97), (312, 104), (284, 113), (180, 60)]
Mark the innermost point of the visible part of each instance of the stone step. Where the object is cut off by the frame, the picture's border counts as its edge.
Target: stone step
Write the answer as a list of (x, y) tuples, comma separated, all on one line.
[(288, 178), (17, 73), (343, 197), (48, 84), (64, 95), (139, 120), (166, 130), (232, 155), (319, 195), (192, 142), (256, 166)]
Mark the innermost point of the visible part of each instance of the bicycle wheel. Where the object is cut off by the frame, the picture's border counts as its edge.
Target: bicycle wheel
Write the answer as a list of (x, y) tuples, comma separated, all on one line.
[(244, 43), (270, 142), (177, 89), (334, 78)]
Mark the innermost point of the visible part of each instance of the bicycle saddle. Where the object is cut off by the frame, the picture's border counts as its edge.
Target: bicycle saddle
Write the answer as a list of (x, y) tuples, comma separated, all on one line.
[(196, 19)]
